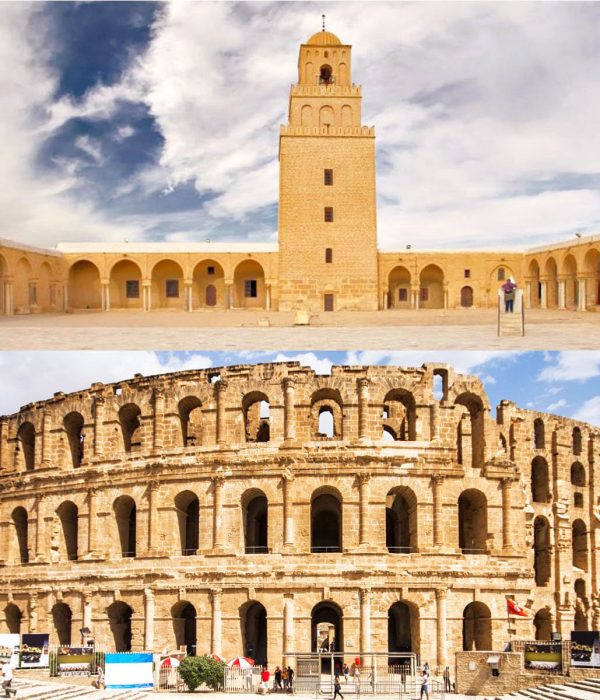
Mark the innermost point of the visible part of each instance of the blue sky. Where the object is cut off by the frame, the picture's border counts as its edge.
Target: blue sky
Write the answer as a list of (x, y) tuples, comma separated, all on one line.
[(566, 383), (152, 121)]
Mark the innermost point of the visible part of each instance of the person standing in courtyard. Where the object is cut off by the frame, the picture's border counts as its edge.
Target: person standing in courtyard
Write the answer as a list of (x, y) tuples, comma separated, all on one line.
[(425, 685), (346, 672), (509, 295), (7, 676), (337, 688)]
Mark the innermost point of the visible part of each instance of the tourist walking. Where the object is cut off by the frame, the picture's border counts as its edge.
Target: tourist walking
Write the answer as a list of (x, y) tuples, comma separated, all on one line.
[(337, 688), (425, 685), (346, 672), (7, 676), (356, 676), (290, 679), (264, 679), (285, 678), (278, 684)]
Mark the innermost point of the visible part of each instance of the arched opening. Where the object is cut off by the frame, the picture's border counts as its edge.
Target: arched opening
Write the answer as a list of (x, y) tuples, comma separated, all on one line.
[(326, 117), (403, 632), (577, 474), (540, 486), (534, 281), (325, 76), (581, 621), (84, 286), (13, 618), (326, 415), (68, 514), (188, 519), (551, 275), (591, 265), (184, 626), (208, 285), (131, 427), (190, 415), (73, 424), (256, 523), (388, 434), (325, 428), (257, 413), (401, 521), (472, 522), (327, 630), (466, 297), (20, 522), (306, 114), (167, 285), (431, 283), (400, 414), (26, 445), (470, 435), (580, 545), (569, 273), (326, 523), (125, 514), (399, 288), (62, 618), (249, 284), (25, 294), (579, 588), (539, 434), (125, 285), (543, 625), (577, 441), (477, 627), (253, 618), (541, 551), (119, 619), (44, 300)]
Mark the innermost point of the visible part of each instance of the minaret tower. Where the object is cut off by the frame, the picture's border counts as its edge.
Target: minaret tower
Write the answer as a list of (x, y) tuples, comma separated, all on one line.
[(327, 209)]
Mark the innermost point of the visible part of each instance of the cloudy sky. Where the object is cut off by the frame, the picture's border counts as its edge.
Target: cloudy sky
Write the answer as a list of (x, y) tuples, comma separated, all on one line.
[(152, 121), (566, 383)]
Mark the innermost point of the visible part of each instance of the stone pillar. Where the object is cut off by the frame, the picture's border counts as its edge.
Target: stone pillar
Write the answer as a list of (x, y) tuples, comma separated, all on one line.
[(99, 406), (416, 298), (189, 297), (87, 611), (438, 523), (268, 297), (289, 408), (215, 597), (148, 619), (363, 408), (153, 528), (365, 620), (289, 638), (158, 420), (218, 534), (46, 439), (40, 529), (288, 510), (92, 515), (229, 293), (8, 298), (507, 513), (3, 444), (363, 490), (562, 297), (528, 294), (33, 612), (543, 294), (221, 388), (581, 294), (435, 420), (445, 296), (441, 595), (147, 295), (65, 297)]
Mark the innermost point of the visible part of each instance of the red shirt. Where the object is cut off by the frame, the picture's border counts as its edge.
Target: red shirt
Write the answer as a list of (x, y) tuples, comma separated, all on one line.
[(265, 675)]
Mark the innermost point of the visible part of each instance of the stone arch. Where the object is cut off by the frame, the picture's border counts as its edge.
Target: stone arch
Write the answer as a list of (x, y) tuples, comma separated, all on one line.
[(119, 619), (327, 626), (26, 445), (256, 412), (253, 623), (20, 524), (533, 273), (190, 417), (539, 434), (569, 274), (542, 623), (131, 427), (326, 401), (399, 280), (472, 522), (399, 414), (580, 545), (551, 275), (477, 627), (500, 274), (347, 118), (23, 284), (591, 266), (73, 424), (84, 286), (542, 558), (208, 285), (466, 297), (13, 616), (187, 507), (255, 519), (126, 518), (431, 283), (540, 481), (62, 618), (403, 631), (578, 474), (68, 515), (326, 117), (306, 115), (471, 437), (126, 285), (249, 284), (167, 285), (326, 520), (183, 615), (401, 521), (577, 441)]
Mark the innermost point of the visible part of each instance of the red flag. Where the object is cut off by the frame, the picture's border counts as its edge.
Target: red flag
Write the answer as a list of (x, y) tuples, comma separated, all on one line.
[(514, 609)]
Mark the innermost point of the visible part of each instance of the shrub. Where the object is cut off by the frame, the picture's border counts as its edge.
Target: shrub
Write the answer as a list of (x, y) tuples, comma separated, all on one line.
[(201, 670)]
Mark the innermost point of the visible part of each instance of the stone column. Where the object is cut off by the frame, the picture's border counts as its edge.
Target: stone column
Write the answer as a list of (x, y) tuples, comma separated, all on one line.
[(288, 515), (99, 406), (363, 408), (8, 298), (581, 294), (221, 388), (441, 595), (218, 534), (229, 293), (268, 298), (215, 597), (289, 640), (40, 529), (158, 420), (153, 527), (92, 515), (289, 408), (189, 297), (528, 294), (435, 420), (33, 612), (46, 439), (543, 294), (147, 295), (365, 620), (507, 513), (416, 297), (445, 296), (363, 490), (87, 610), (149, 619), (438, 523), (562, 300), (65, 297), (3, 444)]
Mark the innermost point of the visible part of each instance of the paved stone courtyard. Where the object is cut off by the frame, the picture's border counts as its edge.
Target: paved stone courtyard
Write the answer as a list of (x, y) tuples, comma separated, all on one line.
[(460, 329)]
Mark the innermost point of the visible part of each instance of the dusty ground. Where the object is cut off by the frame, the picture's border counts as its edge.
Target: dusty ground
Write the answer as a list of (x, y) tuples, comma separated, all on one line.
[(466, 329)]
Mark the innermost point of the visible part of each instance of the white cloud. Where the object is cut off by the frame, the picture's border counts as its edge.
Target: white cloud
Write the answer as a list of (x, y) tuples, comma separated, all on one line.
[(72, 371), (589, 411), (571, 366), (556, 405), (307, 359)]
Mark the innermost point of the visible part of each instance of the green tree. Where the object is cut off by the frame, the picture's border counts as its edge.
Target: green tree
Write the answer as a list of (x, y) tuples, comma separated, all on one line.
[(201, 670)]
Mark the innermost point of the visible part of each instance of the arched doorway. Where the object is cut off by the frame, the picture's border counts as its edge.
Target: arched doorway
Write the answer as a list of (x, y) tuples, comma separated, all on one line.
[(13, 618), (167, 285), (431, 283), (401, 521), (327, 631), (249, 284), (472, 522), (534, 282), (256, 524), (399, 288), (84, 286), (190, 415), (466, 297), (126, 285), (540, 484), (253, 618), (73, 425), (541, 551), (188, 518), (591, 264), (543, 625), (125, 514), (326, 523), (119, 619), (209, 285), (62, 618), (399, 414), (24, 295), (184, 626), (20, 521), (68, 514), (403, 632), (477, 627)]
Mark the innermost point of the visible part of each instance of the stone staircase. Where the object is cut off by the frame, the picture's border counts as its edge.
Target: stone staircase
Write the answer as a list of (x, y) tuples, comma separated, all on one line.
[(587, 689), (510, 324), (41, 690)]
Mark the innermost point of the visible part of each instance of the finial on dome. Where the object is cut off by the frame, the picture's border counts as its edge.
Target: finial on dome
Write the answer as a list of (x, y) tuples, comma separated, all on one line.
[(323, 17)]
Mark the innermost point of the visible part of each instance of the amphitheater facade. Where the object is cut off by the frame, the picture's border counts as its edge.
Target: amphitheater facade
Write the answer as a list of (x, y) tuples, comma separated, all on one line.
[(253, 508), (326, 257)]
